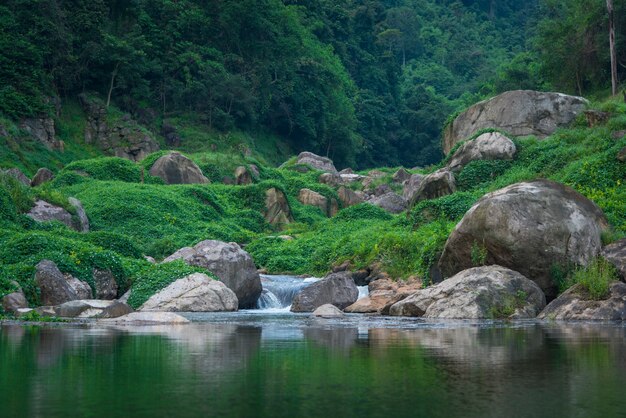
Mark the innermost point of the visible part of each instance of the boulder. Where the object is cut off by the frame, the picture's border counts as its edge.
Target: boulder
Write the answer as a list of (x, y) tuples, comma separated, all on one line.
[(92, 308), (43, 175), (82, 289), (519, 112), (528, 227), (317, 162), (83, 221), (349, 197), (45, 212), (277, 211), (42, 129), (437, 184), (232, 265), (621, 155), (17, 174), (347, 178), (330, 179), (618, 134), (596, 117), (194, 293), (328, 311), (14, 301), (106, 285), (254, 171), (382, 189), (242, 176), (488, 146), (381, 293), (490, 292), (116, 309), (615, 254), (336, 289), (55, 288), (175, 168), (411, 186), (371, 177), (401, 176), (391, 202), (149, 318), (575, 304), (329, 207)]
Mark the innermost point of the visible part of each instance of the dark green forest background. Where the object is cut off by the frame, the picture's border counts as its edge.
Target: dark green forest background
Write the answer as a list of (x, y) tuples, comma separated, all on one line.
[(368, 83)]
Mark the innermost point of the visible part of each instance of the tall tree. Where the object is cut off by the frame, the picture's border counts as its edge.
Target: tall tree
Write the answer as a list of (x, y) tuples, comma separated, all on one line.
[(609, 6)]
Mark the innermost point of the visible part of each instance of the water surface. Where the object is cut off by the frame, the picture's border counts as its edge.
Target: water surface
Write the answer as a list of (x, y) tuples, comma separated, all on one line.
[(252, 364)]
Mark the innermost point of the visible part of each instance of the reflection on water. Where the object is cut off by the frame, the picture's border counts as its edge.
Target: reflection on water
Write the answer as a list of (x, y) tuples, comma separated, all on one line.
[(247, 365)]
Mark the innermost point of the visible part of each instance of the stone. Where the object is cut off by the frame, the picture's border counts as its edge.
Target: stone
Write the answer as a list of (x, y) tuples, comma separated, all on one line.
[(488, 146), (330, 179), (43, 175), (401, 176), (82, 289), (277, 211), (519, 113), (382, 292), (596, 117), (575, 304), (79, 308), (148, 318), (347, 171), (328, 311), (337, 289), (53, 285), (106, 285), (437, 184), (42, 129), (232, 265), (124, 298), (17, 174), (175, 168), (194, 293), (530, 228), (391, 202), (242, 176), (371, 177), (382, 189), (615, 254), (350, 178), (254, 170), (348, 197), (329, 207), (411, 186), (83, 221), (14, 301), (618, 134), (45, 212), (22, 311), (621, 155), (491, 292), (116, 309), (316, 162)]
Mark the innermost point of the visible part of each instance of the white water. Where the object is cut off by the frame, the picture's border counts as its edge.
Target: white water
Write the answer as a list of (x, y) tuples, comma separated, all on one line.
[(279, 291)]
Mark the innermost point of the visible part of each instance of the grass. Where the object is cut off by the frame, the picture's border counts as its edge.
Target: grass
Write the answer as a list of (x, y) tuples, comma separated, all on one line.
[(595, 278)]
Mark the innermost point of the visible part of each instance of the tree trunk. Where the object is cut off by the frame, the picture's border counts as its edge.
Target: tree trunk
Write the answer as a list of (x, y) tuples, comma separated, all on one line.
[(609, 6), (492, 9), (111, 86)]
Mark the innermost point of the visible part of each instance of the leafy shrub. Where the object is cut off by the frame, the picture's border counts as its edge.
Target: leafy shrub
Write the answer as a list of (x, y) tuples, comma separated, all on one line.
[(451, 207), (480, 172), (594, 279), (363, 211), (107, 168)]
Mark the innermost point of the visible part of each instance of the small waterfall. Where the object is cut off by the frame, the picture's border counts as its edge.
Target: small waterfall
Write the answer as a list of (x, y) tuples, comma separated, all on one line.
[(363, 291), (279, 291)]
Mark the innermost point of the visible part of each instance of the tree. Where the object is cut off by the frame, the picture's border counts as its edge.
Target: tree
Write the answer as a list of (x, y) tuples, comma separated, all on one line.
[(609, 6)]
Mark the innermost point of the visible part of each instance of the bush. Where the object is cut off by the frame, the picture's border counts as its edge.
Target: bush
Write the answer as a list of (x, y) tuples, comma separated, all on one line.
[(109, 168), (594, 279)]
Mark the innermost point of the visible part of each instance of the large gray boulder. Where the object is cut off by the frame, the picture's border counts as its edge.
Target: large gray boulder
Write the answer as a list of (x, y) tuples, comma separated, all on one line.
[(490, 292), (488, 146), (194, 293), (575, 304), (43, 175), (528, 227), (175, 168), (45, 212), (148, 318), (105, 283), (83, 222), (349, 197), (329, 207), (316, 161), (615, 254), (277, 211), (437, 184), (14, 301), (391, 202), (382, 292), (92, 308), (328, 311), (336, 289), (232, 265), (57, 288), (411, 186), (519, 112), (242, 176)]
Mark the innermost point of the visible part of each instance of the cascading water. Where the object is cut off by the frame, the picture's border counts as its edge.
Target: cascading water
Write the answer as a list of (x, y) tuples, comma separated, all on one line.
[(279, 291)]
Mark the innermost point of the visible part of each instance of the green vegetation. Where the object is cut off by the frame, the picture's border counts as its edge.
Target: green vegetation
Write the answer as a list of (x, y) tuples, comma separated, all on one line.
[(594, 279)]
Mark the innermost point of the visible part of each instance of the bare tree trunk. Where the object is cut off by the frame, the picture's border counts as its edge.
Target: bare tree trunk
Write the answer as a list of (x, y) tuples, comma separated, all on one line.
[(492, 9), (609, 6), (111, 86)]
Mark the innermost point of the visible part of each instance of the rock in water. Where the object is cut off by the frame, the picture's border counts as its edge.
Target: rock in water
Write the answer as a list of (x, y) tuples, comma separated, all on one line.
[(55, 287), (234, 267), (477, 293), (336, 289), (328, 311), (489, 146), (194, 293), (317, 162), (527, 227), (149, 318), (175, 168), (381, 293), (575, 304), (519, 112)]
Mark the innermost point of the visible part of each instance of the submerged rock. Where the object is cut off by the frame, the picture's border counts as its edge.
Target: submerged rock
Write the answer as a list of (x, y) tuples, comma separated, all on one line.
[(194, 293), (527, 227), (328, 311), (149, 318), (94, 308), (381, 293), (336, 289), (477, 293), (575, 304)]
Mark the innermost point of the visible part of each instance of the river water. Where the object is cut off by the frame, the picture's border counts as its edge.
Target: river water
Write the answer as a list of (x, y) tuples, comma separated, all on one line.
[(277, 364)]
